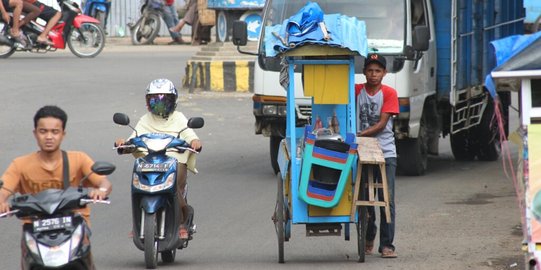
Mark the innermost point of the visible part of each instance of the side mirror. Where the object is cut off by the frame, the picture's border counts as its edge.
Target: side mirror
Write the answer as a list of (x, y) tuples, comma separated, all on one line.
[(421, 36), (103, 168), (121, 119), (240, 33), (196, 122)]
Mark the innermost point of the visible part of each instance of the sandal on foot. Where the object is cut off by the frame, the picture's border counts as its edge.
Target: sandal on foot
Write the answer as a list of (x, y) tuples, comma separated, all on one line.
[(368, 247), (388, 252), (45, 42), (183, 233)]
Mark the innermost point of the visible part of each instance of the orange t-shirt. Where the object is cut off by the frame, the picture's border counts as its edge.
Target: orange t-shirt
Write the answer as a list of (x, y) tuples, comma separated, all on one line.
[(27, 174)]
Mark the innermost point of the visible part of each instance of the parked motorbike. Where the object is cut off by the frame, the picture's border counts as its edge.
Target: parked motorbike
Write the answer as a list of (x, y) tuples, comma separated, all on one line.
[(83, 34), (146, 28), (155, 209), (57, 237), (98, 9)]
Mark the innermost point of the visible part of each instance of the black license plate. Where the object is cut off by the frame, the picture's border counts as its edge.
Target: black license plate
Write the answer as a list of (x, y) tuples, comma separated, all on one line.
[(158, 167), (49, 224)]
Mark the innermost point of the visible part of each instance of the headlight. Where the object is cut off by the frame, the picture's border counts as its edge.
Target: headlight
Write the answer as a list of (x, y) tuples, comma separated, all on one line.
[(269, 110), (282, 110), (169, 181), (31, 243), (60, 255), (156, 144)]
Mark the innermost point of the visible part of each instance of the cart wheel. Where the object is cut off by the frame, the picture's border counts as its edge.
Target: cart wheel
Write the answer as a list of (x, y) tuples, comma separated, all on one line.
[(279, 218), (362, 223)]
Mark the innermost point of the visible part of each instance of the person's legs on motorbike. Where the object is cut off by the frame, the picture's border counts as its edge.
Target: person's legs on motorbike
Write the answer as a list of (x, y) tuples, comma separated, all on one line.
[(170, 17), (16, 7), (52, 16), (32, 12), (182, 174)]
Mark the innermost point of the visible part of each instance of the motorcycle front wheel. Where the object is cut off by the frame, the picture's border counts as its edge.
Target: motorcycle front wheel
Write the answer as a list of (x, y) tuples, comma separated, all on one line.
[(146, 29), (6, 51), (151, 245), (87, 41)]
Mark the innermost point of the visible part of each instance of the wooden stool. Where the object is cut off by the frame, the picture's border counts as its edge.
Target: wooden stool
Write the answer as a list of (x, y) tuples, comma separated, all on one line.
[(369, 152)]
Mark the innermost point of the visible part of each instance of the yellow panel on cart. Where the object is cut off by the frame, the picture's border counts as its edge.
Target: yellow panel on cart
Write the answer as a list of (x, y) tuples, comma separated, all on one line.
[(534, 155), (342, 209), (328, 84)]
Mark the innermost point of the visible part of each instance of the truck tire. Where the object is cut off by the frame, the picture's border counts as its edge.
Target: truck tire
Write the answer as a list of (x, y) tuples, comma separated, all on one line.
[(412, 158), (274, 146), (223, 25), (488, 135), (462, 147), (413, 154)]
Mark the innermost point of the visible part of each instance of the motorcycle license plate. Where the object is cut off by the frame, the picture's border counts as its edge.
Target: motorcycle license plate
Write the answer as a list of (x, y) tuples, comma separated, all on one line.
[(150, 167), (50, 224)]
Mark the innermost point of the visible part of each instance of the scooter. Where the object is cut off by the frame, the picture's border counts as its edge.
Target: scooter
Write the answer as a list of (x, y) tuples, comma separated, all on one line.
[(57, 236), (146, 28), (98, 9), (83, 34), (155, 208)]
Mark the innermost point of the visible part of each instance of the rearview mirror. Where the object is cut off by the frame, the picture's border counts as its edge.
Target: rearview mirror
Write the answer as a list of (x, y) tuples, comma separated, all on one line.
[(121, 119), (240, 34), (196, 122), (103, 168), (420, 38)]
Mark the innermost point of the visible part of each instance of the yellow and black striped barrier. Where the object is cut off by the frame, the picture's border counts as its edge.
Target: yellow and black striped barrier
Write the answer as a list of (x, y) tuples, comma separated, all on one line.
[(220, 76)]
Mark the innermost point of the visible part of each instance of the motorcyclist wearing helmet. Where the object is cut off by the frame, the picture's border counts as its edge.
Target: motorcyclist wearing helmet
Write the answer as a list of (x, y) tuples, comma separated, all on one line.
[(161, 101)]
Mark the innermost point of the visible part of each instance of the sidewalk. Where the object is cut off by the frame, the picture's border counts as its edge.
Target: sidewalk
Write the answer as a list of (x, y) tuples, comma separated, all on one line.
[(126, 41)]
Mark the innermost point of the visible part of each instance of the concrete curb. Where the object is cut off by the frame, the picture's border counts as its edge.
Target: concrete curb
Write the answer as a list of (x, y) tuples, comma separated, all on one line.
[(219, 76)]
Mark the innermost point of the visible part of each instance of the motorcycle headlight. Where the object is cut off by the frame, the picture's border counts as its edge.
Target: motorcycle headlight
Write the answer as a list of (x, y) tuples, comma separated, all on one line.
[(169, 181), (60, 255), (31, 243)]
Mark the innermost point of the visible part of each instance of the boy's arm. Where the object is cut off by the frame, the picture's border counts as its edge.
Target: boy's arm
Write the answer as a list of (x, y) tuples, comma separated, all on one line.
[(377, 128)]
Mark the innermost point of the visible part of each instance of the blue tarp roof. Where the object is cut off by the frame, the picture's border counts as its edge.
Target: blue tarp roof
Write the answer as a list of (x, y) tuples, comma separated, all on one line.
[(513, 53)]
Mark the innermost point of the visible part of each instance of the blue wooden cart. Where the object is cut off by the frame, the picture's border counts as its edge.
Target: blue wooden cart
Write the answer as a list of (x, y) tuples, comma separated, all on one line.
[(318, 161)]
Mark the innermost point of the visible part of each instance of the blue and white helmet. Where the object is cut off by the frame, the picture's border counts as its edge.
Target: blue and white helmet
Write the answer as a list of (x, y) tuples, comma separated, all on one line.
[(161, 97)]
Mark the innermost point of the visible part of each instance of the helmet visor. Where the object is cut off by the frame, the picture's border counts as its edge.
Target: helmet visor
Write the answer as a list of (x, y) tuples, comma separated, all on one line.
[(161, 104)]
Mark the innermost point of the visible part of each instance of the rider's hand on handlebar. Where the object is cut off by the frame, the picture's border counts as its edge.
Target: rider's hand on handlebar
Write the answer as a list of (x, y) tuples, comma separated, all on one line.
[(119, 142), (97, 194), (196, 145), (4, 207)]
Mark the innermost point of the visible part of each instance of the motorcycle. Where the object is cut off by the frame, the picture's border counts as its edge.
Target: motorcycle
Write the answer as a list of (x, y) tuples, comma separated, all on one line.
[(146, 28), (83, 34), (57, 236), (98, 9), (155, 209)]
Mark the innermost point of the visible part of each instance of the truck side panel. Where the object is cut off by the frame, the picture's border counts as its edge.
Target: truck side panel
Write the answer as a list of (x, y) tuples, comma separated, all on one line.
[(477, 23)]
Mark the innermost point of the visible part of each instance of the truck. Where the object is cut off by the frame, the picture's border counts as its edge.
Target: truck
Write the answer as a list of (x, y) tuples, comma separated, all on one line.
[(438, 54), (229, 11)]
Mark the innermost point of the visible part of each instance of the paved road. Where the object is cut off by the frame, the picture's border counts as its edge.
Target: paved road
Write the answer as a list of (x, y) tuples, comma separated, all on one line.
[(458, 216)]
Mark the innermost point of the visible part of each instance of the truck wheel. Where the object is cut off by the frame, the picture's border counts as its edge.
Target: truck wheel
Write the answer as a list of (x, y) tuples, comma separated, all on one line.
[(222, 26), (488, 135), (412, 157), (274, 145), (462, 146), (413, 154)]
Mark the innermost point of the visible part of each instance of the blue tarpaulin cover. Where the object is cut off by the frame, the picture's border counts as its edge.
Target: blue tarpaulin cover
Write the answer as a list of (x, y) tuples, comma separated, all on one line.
[(518, 52), (303, 28)]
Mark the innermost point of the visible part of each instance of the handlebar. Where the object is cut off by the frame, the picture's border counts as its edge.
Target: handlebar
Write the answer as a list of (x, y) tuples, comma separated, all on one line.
[(9, 213), (95, 201)]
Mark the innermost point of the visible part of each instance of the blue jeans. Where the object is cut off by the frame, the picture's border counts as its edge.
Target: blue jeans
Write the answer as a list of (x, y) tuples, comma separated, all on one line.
[(386, 234), (170, 17)]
